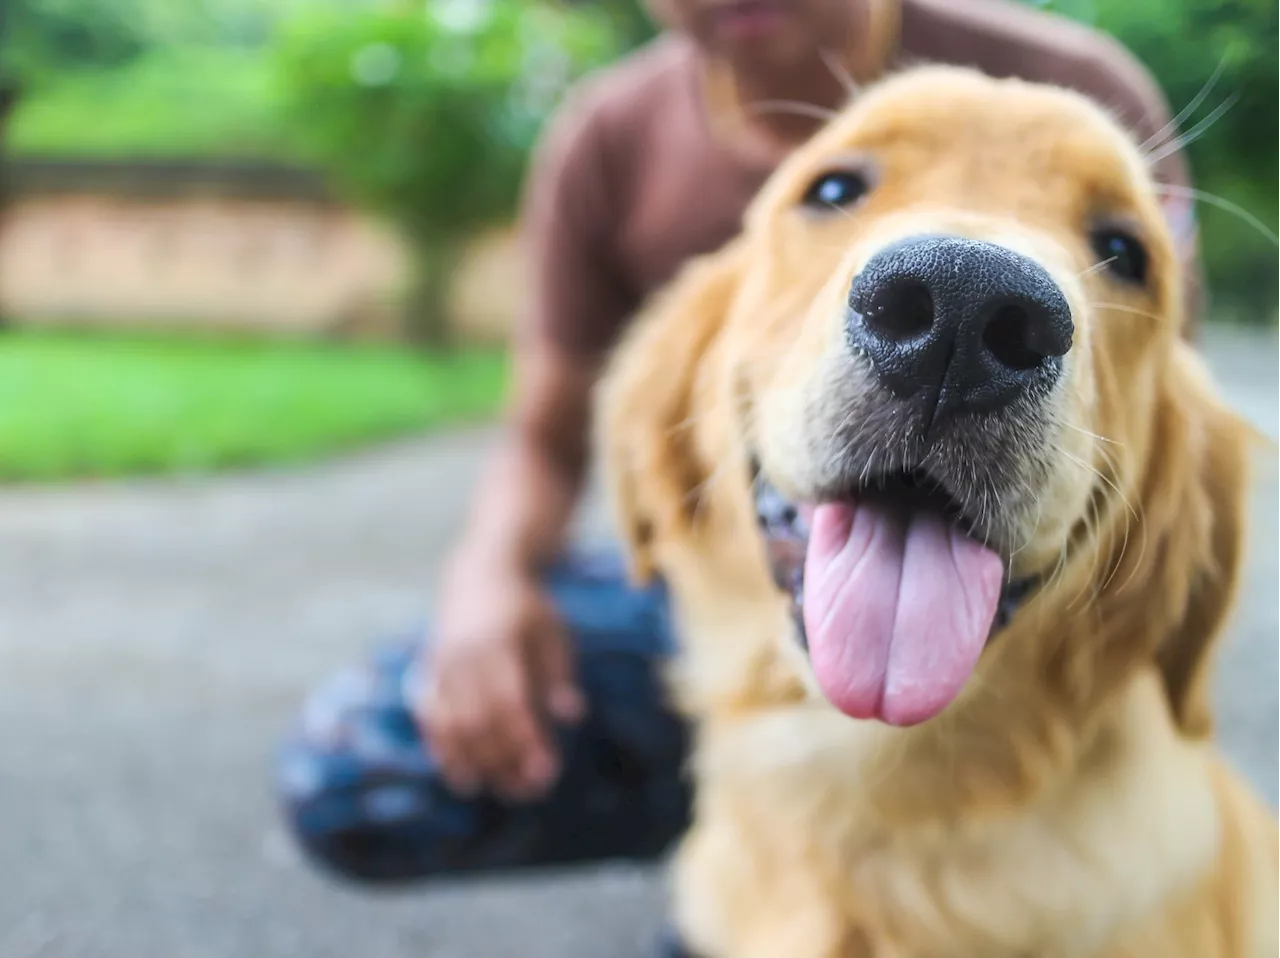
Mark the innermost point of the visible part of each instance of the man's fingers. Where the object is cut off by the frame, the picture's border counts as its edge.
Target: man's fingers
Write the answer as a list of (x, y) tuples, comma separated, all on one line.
[(446, 743), (491, 731), (484, 741), (553, 662), (529, 760), (485, 703), (450, 713), (566, 702)]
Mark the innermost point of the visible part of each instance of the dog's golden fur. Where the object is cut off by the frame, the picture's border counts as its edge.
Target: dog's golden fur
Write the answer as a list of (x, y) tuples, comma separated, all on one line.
[(1070, 802)]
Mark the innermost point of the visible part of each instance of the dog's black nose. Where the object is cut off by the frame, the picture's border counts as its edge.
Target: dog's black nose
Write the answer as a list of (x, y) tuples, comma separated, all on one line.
[(961, 324)]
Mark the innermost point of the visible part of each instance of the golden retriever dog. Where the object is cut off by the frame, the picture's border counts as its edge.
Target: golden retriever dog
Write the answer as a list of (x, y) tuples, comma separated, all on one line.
[(952, 517)]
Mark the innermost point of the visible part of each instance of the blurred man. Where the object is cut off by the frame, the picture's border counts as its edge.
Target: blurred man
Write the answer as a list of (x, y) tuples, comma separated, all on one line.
[(546, 735)]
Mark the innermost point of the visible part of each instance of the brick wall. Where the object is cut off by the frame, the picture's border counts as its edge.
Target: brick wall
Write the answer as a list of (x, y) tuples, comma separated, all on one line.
[(246, 248)]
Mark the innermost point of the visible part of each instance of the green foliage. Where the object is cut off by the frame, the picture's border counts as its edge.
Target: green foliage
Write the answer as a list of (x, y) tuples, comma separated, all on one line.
[(167, 102), (45, 37), (40, 36), (631, 20), (75, 406), (121, 78), (427, 112)]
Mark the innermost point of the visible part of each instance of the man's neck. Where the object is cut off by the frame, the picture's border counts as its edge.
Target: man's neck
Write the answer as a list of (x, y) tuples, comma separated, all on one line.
[(787, 106), (778, 107)]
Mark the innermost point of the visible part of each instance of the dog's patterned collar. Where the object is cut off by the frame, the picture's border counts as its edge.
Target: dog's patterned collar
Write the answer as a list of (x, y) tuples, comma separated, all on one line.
[(786, 536)]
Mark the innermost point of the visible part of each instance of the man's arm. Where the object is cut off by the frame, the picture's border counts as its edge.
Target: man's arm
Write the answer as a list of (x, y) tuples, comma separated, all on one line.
[(577, 303), (500, 666), (531, 484)]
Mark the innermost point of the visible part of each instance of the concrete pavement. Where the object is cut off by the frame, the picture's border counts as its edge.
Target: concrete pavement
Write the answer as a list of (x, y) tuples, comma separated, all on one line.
[(156, 637)]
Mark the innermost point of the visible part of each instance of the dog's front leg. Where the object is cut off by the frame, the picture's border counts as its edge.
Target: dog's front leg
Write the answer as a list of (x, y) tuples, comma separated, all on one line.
[(732, 899)]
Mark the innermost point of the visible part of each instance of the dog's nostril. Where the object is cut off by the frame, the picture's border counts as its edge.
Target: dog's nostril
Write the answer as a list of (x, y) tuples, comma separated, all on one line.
[(1008, 337), (902, 311)]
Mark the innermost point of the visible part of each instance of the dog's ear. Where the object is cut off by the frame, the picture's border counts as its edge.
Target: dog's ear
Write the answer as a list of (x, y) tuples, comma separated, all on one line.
[(1164, 595), (1206, 531), (645, 417)]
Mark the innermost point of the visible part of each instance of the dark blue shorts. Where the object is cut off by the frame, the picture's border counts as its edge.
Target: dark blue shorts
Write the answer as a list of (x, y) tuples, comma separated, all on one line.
[(364, 798)]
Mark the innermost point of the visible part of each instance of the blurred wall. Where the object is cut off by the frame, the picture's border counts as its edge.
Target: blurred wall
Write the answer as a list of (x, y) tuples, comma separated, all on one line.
[(254, 250)]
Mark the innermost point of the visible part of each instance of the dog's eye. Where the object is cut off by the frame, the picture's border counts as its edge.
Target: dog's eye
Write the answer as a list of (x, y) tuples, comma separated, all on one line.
[(1123, 254), (839, 188)]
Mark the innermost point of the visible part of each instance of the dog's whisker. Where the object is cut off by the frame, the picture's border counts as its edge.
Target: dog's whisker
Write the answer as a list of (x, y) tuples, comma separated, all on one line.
[(1101, 264), (1137, 563), (1132, 514), (1035, 527), (794, 108), (1163, 133), (1132, 310), (1093, 520), (1119, 561), (1096, 472), (1109, 455), (845, 213), (1092, 435), (840, 71), (1114, 386), (1059, 567), (1195, 133), (1091, 550), (866, 466), (701, 491), (1100, 552), (1221, 203)]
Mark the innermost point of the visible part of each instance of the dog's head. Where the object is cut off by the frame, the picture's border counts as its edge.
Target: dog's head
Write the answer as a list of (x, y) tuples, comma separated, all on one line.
[(949, 339)]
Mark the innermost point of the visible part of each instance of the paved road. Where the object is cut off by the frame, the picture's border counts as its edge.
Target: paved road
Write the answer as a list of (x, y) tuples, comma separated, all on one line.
[(155, 638)]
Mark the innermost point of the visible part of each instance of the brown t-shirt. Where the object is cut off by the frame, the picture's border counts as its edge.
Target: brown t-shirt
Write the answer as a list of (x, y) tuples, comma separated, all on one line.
[(629, 181)]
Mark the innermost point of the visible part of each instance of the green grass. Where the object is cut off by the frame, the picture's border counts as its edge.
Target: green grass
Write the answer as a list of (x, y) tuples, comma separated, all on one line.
[(80, 405), (170, 103)]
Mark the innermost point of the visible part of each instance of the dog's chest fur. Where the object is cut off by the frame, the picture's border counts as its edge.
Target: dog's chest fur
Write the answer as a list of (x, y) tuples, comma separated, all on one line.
[(791, 851)]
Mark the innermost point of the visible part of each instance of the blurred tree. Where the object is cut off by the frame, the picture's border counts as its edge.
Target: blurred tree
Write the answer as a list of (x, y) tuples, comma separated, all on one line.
[(43, 36), (633, 22), (630, 19), (9, 94), (40, 36), (427, 112)]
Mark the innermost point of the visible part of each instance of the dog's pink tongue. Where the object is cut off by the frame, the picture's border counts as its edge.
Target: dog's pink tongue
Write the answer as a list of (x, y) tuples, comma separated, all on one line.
[(897, 608)]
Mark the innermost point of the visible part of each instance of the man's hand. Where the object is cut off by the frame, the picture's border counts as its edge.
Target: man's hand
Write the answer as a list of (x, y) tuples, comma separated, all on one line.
[(498, 669)]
